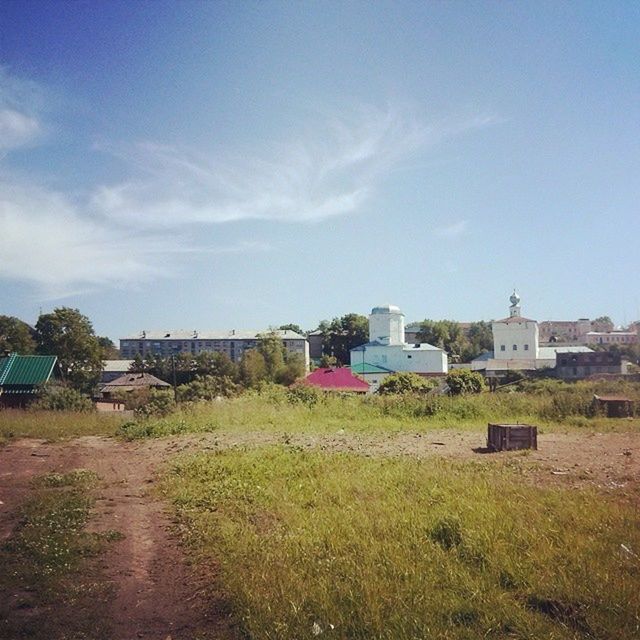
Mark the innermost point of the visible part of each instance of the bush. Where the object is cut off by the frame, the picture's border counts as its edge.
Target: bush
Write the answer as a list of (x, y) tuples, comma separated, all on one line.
[(161, 403), (59, 398), (208, 388), (465, 381), (405, 382), (304, 394)]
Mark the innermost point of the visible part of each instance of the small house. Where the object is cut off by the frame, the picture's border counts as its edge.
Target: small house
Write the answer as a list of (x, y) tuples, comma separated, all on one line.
[(22, 378)]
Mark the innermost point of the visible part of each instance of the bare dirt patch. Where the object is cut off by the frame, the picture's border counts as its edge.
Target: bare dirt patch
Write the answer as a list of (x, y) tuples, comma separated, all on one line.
[(156, 595)]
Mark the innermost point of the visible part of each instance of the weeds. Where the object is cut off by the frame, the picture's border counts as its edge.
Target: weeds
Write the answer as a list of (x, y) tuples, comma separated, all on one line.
[(394, 549), (43, 562)]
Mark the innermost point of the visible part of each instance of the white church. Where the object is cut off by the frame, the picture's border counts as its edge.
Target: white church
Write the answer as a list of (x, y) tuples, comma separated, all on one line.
[(516, 345), (387, 352)]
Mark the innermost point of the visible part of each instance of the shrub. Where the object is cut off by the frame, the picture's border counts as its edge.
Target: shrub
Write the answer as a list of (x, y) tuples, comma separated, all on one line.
[(304, 394), (405, 382), (465, 381), (208, 388), (59, 398), (161, 403)]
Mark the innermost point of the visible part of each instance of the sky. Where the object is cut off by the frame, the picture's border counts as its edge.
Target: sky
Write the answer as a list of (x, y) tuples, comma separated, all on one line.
[(219, 165)]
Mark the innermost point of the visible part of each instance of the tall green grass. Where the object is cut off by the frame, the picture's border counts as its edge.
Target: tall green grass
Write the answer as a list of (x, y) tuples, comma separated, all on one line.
[(348, 547), (276, 410), (55, 425)]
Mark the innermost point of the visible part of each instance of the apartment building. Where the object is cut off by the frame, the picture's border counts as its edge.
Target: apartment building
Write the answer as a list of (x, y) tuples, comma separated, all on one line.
[(233, 343)]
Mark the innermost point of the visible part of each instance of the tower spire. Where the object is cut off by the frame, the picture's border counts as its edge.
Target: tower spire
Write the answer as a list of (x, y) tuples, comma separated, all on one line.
[(514, 309)]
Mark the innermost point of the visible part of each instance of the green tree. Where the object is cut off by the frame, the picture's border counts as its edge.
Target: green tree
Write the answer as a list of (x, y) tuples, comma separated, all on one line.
[(69, 335), (292, 327), (253, 368), (405, 382), (461, 381), (479, 340), (56, 397), (110, 351), (343, 334), (294, 369), (208, 388), (328, 362), (444, 334), (210, 363), (16, 336)]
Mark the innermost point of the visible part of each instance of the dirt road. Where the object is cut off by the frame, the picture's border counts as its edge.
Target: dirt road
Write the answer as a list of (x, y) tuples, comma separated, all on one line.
[(158, 596)]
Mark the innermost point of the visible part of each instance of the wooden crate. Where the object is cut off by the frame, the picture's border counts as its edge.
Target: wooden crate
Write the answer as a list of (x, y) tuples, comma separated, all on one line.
[(509, 437)]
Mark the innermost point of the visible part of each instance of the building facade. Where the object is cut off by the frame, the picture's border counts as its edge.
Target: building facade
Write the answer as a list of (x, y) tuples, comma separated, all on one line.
[(387, 347), (575, 365), (233, 343)]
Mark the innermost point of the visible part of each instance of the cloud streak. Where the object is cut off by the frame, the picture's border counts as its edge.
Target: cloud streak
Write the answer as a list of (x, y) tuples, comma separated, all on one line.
[(453, 230), (332, 170), (143, 228)]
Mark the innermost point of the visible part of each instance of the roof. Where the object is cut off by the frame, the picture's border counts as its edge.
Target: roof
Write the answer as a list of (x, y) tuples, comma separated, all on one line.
[(612, 398), (20, 374), (514, 320), (549, 353), (363, 368), (405, 347), (234, 334), (386, 308), (339, 379), (130, 381), (113, 366)]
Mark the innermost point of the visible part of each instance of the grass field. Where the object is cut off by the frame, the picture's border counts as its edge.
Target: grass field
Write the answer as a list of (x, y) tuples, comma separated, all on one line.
[(341, 546), (55, 425), (282, 412)]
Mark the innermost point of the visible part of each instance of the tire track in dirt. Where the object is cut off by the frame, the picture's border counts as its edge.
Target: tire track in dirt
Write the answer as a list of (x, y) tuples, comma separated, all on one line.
[(157, 596)]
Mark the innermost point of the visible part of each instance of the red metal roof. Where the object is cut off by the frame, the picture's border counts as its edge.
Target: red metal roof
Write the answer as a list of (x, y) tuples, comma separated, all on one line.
[(340, 379)]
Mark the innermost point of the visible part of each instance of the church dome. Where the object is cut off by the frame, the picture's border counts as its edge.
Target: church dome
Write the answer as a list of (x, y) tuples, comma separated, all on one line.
[(514, 299), (386, 308)]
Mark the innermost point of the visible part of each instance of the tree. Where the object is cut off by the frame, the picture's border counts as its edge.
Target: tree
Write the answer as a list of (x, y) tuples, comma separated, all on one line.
[(69, 335), (209, 363), (343, 334), (462, 381), (273, 351), (292, 327), (111, 352), (405, 382), (253, 368), (444, 334), (479, 340), (16, 336), (208, 388)]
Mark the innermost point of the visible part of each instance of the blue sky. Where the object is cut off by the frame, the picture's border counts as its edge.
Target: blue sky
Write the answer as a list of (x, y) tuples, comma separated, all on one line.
[(243, 165)]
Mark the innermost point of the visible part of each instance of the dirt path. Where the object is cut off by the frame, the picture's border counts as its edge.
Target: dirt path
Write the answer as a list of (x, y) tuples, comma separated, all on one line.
[(157, 596)]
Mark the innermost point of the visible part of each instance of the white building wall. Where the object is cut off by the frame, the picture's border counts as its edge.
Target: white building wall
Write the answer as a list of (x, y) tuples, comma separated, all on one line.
[(387, 328), (519, 339), (402, 358)]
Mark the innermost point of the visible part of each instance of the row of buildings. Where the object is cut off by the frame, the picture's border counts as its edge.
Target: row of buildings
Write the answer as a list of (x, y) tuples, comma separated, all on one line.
[(520, 343)]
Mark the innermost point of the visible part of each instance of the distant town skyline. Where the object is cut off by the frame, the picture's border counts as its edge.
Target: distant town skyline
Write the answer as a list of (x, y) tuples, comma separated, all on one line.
[(221, 165)]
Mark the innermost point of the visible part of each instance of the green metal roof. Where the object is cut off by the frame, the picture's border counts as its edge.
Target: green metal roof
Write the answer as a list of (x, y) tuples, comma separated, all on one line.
[(362, 368), (21, 373)]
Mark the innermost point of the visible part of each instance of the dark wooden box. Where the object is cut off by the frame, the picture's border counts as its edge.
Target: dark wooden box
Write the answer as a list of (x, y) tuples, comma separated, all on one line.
[(508, 437)]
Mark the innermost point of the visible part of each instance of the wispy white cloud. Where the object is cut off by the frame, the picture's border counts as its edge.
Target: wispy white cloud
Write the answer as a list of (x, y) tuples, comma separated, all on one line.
[(20, 102), (452, 230), (331, 170), (47, 241), (142, 228)]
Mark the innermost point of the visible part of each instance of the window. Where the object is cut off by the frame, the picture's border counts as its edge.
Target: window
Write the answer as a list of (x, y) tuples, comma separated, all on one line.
[(408, 356), (502, 347), (515, 347), (526, 347)]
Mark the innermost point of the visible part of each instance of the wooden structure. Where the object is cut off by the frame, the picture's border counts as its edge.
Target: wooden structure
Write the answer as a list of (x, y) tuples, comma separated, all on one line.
[(22, 378), (613, 406), (509, 437)]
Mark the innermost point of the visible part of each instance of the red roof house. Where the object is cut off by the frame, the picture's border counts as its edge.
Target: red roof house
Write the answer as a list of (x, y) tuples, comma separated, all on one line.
[(336, 379)]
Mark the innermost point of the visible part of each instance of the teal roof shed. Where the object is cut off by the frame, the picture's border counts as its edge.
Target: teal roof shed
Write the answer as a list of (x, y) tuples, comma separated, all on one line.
[(24, 374)]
